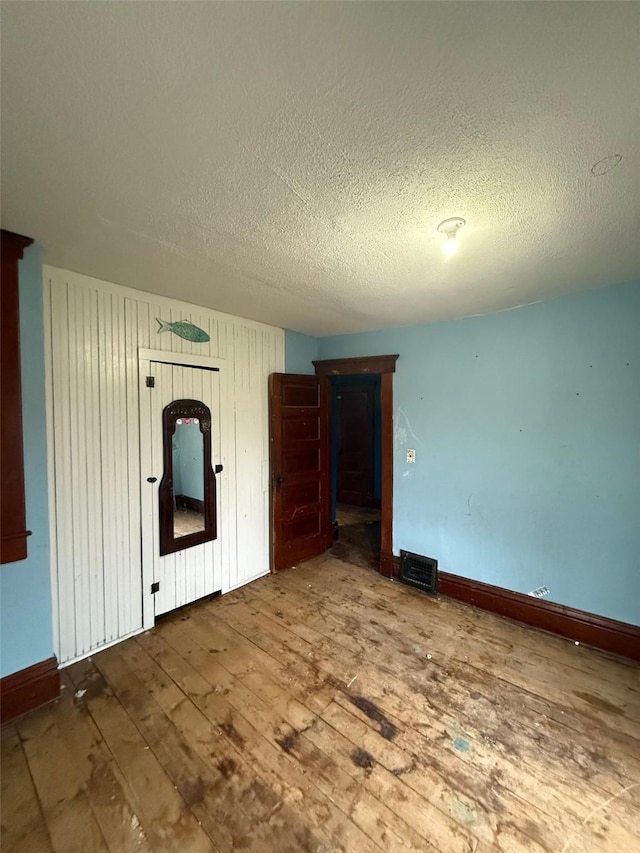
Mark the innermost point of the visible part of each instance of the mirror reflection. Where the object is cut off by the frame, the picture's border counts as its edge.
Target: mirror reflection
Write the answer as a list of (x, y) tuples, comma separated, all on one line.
[(188, 478)]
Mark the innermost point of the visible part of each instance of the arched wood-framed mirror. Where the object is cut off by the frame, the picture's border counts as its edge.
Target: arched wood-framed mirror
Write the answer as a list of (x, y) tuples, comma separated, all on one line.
[(187, 492)]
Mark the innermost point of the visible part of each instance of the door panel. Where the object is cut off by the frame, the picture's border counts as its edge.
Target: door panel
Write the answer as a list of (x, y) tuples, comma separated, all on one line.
[(301, 528), (300, 498), (295, 392), (300, 494), (191, 573), (304, 461), (300, 429), (355, 444)]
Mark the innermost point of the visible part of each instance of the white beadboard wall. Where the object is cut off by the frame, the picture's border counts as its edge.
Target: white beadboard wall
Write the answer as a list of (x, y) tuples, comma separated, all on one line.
[(94, 331)]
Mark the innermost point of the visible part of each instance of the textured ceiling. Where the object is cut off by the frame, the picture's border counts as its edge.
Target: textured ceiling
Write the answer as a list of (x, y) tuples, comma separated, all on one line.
[(290, 162)]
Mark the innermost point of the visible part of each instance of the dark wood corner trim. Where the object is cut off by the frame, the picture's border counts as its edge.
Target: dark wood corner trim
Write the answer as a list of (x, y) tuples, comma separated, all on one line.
[(29, 688), (13, 544), (389, 565), (620, 638), (386, 442), (351, 366), (16, 242)]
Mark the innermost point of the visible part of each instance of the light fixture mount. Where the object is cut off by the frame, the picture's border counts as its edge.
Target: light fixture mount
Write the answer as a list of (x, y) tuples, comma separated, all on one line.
[(451, 226)]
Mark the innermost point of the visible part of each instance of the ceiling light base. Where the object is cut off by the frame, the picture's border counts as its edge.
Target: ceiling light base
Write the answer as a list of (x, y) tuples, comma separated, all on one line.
[(450, 227)]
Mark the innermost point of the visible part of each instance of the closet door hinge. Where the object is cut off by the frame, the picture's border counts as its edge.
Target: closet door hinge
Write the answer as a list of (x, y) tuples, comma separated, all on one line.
[(155, 587), (151, 381)]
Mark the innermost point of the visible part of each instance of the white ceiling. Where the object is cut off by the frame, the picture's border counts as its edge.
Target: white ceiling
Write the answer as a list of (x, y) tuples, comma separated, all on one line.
[(290, 162)]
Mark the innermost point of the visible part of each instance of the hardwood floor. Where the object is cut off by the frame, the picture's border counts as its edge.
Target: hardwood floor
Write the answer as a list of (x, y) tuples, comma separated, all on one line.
[(324, 709)]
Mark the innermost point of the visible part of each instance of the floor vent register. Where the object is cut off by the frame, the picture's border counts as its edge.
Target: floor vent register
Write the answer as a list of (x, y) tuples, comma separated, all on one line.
[(419, 571)]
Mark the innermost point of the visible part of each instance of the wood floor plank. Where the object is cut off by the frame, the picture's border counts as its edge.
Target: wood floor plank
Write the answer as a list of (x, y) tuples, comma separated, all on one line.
[(538, 788), (209, 740), (61, 786), (395, 837), (288, 740), (628, 675), (543, 712), (244, 728), (23, 824), (109, 795), (245, 656), (236, 612), (328, 710), (368, 750), (296, 715), (165, 818), (410, 608), (458, 620), (480, 692), (225, 807), (302, 722)]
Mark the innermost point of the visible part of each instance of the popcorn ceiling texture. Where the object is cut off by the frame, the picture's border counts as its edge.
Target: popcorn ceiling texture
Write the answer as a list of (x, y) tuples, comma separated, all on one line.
[(290, 162)]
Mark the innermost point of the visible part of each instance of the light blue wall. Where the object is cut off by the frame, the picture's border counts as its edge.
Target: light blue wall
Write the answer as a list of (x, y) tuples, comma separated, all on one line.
[(526, 426), (25, 587), (299, 352)]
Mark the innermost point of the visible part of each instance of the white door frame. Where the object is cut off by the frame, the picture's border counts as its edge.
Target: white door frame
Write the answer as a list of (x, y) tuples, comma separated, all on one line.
[(145, 358)]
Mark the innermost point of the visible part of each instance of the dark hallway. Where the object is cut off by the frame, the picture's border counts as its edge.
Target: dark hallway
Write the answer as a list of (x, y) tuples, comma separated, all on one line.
[(359, 536)]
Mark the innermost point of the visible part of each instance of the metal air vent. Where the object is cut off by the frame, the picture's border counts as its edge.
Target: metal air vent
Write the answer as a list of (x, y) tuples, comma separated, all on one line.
[(418, 571)]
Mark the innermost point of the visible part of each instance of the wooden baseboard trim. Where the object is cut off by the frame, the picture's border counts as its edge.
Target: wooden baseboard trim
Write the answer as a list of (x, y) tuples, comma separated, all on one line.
[(27, 689), (609, 635)]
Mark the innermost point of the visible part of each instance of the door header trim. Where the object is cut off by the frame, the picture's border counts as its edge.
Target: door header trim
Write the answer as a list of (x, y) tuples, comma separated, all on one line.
[(184, 359), (350, 366)]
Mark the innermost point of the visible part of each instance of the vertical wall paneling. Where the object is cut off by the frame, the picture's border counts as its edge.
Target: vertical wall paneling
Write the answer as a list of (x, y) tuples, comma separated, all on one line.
[(108, 451), (53, 520), (98, 338), (133, 456), (60, 476), (227, 494), (148, 496), (94, 466)]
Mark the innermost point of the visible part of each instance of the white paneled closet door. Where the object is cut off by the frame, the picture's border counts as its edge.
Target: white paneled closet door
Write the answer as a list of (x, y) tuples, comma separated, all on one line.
[(194, 572)]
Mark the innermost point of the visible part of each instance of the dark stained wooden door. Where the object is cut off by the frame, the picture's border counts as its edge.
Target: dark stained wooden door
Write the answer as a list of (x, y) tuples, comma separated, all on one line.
[(355, 404), (300, 477)]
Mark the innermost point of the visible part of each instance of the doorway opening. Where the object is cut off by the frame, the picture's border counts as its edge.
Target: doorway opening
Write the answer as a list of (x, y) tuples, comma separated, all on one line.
[(356, 468), (300, 461), (380, 368)]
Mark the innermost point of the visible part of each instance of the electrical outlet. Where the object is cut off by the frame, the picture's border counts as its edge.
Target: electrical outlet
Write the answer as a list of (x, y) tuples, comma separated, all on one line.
[(540, 592), (411, 456)]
